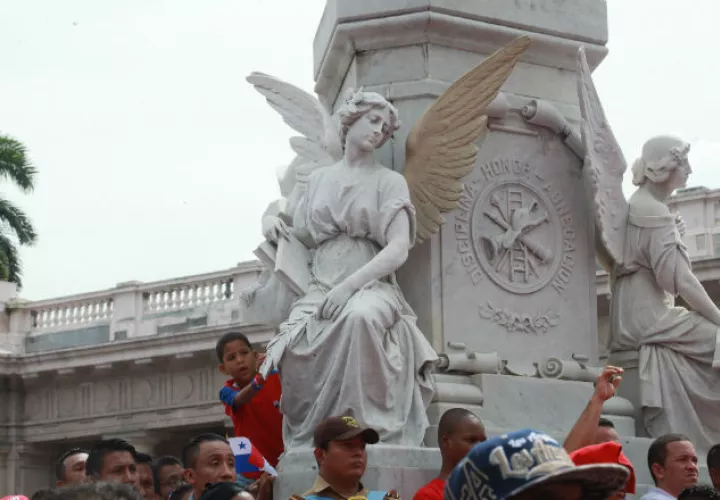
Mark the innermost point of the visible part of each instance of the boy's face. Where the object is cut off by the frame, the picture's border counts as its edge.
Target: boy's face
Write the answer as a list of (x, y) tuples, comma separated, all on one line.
[(239, 361)]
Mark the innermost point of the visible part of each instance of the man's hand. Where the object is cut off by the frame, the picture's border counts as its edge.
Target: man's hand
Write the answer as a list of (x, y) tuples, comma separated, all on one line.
[(607, 382), (262, 489)]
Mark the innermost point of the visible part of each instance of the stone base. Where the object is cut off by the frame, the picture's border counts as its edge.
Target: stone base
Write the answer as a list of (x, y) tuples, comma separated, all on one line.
[(401, 468), (508, 403)]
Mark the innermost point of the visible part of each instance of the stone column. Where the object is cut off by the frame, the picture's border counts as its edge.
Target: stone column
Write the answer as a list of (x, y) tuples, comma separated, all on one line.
[(24, 469), (12, 333), (410, 51), (127, 311)]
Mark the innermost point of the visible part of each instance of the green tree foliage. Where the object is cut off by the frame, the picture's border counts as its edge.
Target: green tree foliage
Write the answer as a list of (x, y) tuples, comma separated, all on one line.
[(16, 228)]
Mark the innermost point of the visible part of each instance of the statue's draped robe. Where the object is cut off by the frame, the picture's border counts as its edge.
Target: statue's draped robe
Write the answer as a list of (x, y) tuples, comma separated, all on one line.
[(372, 361), (679, 388)]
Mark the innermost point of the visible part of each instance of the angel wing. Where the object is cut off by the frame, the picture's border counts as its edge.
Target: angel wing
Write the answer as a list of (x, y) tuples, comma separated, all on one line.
[(320, 142), (605, 166), (440, 150)]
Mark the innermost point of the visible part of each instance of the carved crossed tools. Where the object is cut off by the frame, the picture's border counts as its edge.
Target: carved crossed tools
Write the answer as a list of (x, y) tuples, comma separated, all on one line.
[(516, 226)]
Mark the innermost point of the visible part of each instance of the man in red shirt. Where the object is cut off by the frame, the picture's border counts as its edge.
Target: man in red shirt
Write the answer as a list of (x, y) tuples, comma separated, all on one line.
[(252, 402), (458, 431)]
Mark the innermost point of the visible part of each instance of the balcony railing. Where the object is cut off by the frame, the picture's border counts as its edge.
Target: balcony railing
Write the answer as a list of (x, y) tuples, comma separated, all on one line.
[(131, 309)]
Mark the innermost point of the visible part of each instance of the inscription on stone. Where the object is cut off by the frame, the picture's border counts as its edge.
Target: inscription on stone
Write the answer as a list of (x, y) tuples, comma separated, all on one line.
[(562, 279), (463, 224), (515, 228)]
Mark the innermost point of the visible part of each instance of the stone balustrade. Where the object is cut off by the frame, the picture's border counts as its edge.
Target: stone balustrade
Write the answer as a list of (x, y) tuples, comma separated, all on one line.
[(135, 309), (130, 310)]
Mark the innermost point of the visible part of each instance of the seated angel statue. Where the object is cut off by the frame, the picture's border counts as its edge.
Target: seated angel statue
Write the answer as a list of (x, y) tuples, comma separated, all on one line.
[(350, 344), (640, 244)]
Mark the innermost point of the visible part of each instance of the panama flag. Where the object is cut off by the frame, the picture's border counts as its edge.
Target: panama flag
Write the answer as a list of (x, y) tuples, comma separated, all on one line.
[(248, 459)]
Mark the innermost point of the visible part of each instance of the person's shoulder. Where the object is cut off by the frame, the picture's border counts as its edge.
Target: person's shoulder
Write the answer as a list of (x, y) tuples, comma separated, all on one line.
[(393, 183), (391, 175), (320, 172), (643, 204), (431, 491)]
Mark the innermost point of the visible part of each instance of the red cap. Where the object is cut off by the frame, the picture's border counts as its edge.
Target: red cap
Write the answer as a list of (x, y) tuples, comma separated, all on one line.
[(605, 453)]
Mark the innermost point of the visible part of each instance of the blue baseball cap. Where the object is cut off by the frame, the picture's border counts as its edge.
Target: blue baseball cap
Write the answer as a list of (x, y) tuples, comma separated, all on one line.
[(513, 463)]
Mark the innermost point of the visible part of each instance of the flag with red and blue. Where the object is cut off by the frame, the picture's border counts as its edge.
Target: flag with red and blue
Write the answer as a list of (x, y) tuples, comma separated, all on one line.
[(248, 459)]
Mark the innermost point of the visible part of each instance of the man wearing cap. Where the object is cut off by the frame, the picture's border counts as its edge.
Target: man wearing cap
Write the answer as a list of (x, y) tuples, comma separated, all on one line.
[(529, 464), (341, 457), (609, 452)]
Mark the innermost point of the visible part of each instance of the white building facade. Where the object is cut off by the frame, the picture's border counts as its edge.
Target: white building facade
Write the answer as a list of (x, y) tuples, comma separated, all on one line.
[(137, 361)]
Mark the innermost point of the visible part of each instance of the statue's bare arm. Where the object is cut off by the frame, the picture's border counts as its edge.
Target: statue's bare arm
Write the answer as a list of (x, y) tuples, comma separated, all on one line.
[(386, 262), (390, 258), (692, 292)]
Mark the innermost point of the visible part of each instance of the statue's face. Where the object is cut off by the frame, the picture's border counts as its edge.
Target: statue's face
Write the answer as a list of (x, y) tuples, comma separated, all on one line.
[(679, 176), (368, 132)]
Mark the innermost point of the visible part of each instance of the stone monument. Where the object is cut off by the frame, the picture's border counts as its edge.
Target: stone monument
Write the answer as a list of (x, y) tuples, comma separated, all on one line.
[(507, 285), (505, 291), (334, 246), (640, 243)]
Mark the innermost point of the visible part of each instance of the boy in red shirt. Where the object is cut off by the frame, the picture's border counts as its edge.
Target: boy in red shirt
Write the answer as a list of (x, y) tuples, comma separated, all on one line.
[(251, 402), (458, 431)]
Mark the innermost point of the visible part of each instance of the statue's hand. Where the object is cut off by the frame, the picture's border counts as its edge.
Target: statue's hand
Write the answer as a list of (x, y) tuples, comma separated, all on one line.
[(273, 228), (335, 301), (680, 223), (607, 382)]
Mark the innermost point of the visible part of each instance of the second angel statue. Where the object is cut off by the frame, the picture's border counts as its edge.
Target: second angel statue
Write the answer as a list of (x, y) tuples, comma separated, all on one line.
[(348, 343), (640, 244)]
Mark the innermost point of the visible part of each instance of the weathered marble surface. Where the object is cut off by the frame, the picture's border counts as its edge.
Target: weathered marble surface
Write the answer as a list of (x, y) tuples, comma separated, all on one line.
[(640, 243), (517, 261), (353, 222), (410, 53)]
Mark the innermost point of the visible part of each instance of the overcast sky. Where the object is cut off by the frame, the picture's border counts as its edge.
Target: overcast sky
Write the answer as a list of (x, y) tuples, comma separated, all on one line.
[(156, 158)]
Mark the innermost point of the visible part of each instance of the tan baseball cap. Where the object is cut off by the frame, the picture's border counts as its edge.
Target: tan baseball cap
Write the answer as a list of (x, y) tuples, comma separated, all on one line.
[(341, 429)]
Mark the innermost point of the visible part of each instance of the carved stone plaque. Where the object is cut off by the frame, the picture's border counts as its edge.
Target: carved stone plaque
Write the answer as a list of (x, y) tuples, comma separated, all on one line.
[(518, 273)]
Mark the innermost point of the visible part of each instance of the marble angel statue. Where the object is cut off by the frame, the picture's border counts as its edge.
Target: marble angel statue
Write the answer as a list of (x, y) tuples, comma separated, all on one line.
[(639, 243), (350, 344)]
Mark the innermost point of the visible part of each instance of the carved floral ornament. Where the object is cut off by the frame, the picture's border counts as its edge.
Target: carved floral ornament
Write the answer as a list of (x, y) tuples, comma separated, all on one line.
[(515, 322)]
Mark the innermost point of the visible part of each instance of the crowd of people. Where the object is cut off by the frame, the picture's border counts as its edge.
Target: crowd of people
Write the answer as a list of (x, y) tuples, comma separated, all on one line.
[(524, 464)]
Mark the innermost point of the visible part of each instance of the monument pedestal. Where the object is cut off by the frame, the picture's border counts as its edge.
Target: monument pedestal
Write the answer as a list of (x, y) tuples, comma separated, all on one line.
[(528, 300), (400, 468), (512, 271)]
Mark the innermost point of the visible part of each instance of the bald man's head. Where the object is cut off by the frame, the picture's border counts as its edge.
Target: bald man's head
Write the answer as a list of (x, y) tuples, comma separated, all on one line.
[(458, 431)]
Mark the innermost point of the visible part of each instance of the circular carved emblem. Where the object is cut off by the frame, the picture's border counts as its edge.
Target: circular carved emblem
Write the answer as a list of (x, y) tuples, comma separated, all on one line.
[(515, 235)]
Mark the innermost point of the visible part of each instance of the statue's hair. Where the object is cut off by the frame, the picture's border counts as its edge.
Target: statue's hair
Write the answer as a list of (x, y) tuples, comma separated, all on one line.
[(660, 157), (357, 104)]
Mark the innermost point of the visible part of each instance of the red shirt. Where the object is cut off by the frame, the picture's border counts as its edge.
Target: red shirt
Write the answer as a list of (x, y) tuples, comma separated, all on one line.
[(434, 490), (260, 420)]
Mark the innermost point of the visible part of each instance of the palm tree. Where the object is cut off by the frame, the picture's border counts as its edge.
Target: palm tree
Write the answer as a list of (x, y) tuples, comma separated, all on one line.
[(15, 226)]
